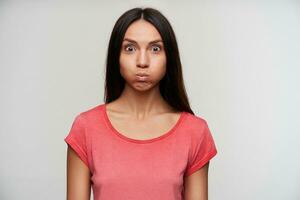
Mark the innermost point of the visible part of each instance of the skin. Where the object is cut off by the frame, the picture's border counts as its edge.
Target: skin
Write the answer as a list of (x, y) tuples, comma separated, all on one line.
[(78, 177), (196, 185), (131, 117)]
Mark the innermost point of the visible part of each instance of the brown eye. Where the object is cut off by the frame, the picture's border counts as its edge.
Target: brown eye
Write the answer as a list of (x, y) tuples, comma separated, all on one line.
[(156, 48), (129, 48)]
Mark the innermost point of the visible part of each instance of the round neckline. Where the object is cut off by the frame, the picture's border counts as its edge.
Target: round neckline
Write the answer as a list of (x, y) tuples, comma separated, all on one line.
[(164, 135)]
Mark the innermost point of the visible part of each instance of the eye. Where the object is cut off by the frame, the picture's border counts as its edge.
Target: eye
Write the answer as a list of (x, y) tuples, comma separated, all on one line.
[(156, 48), (129, 48)]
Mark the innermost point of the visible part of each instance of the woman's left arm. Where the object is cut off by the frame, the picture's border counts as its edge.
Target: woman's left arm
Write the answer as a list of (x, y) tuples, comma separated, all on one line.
[(196, 184)]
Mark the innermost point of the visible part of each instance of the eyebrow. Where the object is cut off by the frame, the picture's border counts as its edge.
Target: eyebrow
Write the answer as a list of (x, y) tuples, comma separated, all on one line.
[(154, 41)]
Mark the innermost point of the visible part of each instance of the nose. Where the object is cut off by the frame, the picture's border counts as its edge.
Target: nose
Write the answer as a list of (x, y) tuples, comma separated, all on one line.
[(142, 59)]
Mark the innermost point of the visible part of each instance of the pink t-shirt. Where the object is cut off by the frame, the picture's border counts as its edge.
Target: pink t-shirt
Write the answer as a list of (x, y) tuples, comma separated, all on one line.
[(131, 169)]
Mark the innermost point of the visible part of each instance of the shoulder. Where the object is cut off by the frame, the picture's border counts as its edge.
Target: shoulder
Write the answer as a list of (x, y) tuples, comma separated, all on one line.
[(91, 112), (196, 125), (91, 115), (195, 121)]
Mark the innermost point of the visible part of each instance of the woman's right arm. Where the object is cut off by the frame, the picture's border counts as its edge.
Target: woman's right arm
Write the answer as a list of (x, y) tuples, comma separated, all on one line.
[(78, 177)]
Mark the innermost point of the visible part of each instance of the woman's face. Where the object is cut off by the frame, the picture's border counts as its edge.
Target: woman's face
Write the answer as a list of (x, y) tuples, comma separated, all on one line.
[(142, 52)]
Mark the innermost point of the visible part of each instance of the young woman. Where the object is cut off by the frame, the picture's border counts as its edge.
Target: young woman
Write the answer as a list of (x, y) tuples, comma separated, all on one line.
[(144, 142)]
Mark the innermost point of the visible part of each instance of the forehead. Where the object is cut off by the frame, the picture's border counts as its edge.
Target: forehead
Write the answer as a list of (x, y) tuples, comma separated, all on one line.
[(142, 32)]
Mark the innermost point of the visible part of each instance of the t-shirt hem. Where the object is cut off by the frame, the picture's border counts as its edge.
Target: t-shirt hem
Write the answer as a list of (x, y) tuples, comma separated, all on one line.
[(201, 163), (77, 149)]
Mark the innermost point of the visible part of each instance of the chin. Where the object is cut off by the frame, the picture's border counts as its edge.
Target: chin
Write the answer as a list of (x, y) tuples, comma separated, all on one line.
[(141, 86)]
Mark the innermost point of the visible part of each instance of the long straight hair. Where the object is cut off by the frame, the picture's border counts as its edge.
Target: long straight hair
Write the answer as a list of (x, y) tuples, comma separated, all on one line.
[(171, 86)]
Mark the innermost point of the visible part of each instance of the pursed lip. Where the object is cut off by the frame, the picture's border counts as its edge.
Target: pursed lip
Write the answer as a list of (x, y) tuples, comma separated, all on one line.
[(142, 74), (142, 77)]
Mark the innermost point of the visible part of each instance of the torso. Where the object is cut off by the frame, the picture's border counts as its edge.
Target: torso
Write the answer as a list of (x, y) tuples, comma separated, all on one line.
[(145, 129)]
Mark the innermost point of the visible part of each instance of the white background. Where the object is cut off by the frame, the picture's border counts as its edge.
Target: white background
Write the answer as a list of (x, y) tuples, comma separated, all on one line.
[(241, 69)]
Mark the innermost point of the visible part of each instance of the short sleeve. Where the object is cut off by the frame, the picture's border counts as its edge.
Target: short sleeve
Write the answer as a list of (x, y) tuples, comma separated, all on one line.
[(203, 149), (77, 138)]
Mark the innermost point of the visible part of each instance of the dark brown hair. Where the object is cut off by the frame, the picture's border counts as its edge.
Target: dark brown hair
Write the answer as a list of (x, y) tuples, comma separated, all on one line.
[(172, 85)]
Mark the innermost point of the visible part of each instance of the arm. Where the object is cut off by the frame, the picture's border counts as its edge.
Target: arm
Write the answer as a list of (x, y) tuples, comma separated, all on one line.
[(196, 185), (78, 177)]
